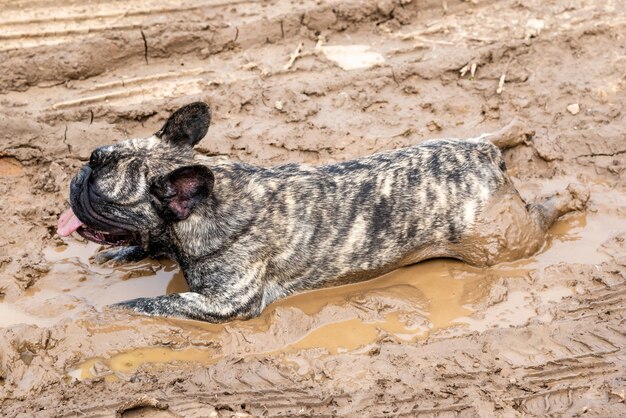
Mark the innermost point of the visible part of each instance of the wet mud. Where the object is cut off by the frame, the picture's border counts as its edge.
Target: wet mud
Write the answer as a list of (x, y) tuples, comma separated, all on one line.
[(318, 82)]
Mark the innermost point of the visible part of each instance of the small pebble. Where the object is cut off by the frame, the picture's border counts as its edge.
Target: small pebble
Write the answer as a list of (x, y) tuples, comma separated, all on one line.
[(534, 27), (574, 108)]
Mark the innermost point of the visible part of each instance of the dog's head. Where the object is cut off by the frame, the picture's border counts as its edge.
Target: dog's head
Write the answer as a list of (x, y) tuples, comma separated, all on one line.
[(128, 192)]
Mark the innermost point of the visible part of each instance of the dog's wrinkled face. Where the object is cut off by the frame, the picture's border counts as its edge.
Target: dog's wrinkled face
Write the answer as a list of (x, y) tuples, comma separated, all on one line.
[(130, 191)]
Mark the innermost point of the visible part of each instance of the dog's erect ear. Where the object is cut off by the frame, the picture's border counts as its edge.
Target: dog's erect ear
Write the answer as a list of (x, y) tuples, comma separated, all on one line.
[(176, 194), (187, 126)]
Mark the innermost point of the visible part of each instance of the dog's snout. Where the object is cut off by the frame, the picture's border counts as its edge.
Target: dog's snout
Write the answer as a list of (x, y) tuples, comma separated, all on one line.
[(85, 173)]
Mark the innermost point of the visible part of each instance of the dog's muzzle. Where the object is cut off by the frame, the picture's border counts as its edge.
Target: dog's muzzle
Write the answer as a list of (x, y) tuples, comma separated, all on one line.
[(90, 207)]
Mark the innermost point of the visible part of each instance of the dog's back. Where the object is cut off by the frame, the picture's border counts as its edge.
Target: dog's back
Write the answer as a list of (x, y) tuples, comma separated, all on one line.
[(354, 220)]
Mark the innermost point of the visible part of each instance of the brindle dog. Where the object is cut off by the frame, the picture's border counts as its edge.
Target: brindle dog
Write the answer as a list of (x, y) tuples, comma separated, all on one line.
[(245, 235)]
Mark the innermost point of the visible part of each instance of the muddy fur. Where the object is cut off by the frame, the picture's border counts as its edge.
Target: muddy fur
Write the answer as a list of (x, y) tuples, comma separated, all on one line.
[(245, 236)]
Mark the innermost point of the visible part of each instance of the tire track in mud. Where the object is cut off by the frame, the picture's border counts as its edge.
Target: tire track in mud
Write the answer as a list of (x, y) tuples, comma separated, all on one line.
[(558, 385), (32, 44), (585, 354), (58, 24), (62, 46)]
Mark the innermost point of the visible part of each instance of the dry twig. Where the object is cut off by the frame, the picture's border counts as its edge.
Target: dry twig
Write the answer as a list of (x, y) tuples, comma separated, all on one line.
[(294, 56)]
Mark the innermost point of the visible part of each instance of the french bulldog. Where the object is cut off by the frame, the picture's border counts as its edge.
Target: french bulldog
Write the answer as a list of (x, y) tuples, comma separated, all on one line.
[(245, 236)]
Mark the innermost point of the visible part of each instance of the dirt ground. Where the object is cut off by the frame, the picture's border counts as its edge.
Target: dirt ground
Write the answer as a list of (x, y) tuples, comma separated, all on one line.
[(541, 336)]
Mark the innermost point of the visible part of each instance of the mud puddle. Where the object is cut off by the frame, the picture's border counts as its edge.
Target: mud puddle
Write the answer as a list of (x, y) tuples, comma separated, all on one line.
[(74, 281), (407, 304), (417, 300)]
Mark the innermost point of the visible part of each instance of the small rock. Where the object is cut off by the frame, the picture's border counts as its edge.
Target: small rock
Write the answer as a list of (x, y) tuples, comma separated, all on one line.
[(279, 105), (385, 7), (350, 57), (534, 28), (574, 108)]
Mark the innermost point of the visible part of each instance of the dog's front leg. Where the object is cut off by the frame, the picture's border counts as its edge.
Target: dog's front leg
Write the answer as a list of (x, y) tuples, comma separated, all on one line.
[(192, 305), (120, 255)]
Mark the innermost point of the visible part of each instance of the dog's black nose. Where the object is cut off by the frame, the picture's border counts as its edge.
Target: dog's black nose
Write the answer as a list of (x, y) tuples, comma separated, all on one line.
[(97, 157)]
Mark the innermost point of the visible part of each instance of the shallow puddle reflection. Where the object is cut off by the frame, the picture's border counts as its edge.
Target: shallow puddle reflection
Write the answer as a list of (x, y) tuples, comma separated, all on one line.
[(74, 281), (428, 297), (130, 361)]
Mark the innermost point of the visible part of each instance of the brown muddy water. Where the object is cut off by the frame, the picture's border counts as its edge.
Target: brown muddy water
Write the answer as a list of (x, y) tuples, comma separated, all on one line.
[(438, 294)]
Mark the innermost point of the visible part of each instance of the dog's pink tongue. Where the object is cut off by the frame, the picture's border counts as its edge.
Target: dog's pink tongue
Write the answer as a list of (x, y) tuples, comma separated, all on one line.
[(68, 223)]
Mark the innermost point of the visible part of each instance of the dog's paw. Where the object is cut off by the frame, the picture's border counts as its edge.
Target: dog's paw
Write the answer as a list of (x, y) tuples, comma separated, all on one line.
[(134, 305), (121, 255), (580, 196)]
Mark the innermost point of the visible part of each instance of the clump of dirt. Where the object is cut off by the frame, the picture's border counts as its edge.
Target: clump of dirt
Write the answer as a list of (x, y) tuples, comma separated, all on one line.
[(317, 82)]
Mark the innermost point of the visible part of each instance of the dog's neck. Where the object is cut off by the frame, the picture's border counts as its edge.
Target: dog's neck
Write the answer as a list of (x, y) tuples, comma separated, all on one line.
[(217, 222)]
